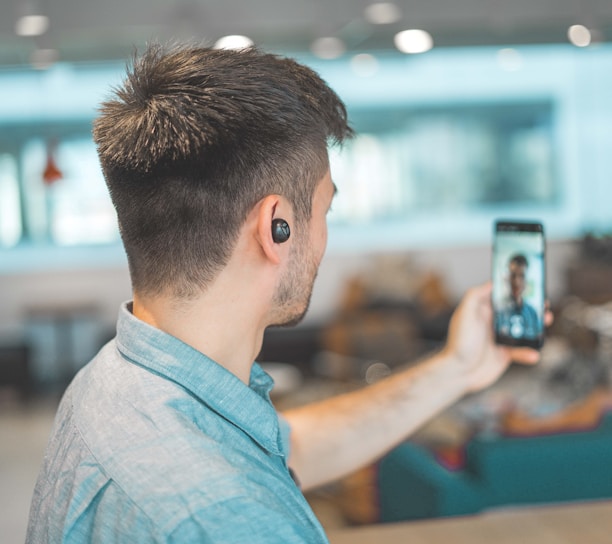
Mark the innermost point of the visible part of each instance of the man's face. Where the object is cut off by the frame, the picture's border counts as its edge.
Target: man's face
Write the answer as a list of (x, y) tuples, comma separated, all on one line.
[(517, 279), (294, 291)]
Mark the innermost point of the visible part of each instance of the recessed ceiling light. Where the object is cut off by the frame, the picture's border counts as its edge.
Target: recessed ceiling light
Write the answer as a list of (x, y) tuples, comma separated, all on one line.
[(234, 41), (382, 13), (413, 41), (579, 35), (31, 25)]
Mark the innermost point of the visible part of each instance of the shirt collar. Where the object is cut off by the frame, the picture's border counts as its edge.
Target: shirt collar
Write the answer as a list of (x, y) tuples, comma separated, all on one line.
[(247, 407)]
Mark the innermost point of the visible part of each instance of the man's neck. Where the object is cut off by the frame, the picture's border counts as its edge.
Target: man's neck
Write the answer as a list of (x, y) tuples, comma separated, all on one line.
[(518, 301), (222, 328)]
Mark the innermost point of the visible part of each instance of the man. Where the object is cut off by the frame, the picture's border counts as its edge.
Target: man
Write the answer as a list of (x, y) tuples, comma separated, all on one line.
[(217, 165), (518, 319)]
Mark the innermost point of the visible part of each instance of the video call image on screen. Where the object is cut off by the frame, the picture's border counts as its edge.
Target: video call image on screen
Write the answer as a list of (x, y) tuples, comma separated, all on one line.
[(518, 276)]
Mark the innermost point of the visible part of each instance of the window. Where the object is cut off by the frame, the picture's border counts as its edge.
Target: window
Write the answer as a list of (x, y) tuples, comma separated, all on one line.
[(448, 141), (74, 209), (10, 205), (447, 159), (66, 220)]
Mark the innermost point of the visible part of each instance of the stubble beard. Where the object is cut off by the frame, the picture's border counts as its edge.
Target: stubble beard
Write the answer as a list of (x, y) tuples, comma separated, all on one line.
[(294, 292)]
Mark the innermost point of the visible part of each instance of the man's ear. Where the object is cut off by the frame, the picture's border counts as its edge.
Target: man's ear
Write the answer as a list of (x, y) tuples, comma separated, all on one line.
[(269, 208)]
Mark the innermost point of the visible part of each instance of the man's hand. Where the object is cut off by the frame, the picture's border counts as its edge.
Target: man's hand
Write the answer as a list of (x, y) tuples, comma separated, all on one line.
[(471, 342)]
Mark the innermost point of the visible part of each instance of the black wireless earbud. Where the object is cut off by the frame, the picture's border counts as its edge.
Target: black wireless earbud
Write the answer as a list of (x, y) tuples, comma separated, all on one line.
[(280, 231)]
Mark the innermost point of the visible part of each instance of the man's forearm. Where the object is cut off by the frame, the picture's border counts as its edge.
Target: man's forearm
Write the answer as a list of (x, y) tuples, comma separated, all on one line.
[(337, 436)]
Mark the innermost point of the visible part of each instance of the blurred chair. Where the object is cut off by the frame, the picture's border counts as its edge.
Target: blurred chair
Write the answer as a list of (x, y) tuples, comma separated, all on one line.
[(15, 368), (62, 339)]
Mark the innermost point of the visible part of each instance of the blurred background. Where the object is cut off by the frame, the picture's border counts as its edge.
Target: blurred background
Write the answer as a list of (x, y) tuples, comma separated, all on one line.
[(466, 111)]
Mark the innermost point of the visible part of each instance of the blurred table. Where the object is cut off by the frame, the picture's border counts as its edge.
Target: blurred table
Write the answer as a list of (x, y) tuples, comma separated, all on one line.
[(575, 523)]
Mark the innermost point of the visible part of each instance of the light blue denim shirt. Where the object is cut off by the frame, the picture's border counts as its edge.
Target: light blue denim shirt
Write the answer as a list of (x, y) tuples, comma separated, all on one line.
[(155, 442)]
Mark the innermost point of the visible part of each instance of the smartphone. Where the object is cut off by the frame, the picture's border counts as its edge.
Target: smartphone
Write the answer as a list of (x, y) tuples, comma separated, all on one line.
[(519, 290)]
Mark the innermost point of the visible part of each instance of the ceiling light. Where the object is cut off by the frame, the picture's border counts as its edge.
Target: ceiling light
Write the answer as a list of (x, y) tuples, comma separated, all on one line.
[(364, 64), (382, 13), (233, 42), (509, 60), (31, 25), (328, 48), (413, 41), (579, 35)]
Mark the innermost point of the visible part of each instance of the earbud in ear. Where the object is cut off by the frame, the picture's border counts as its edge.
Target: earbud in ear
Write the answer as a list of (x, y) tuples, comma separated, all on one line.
[(280, 231)]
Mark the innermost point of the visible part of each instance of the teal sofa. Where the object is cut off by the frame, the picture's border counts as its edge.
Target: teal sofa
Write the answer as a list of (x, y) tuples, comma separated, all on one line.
[(497, 471)]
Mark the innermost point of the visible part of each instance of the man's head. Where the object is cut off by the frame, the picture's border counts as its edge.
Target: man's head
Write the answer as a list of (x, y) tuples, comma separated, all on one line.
[(518, 270), (196, 137)]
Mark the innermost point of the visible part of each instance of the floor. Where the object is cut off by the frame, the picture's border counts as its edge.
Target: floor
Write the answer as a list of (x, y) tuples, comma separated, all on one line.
[(24, 429)]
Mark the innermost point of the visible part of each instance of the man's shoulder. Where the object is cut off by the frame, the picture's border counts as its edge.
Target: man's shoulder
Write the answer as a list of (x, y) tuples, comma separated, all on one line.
[(133, 444), (156, 441), (103, 467)]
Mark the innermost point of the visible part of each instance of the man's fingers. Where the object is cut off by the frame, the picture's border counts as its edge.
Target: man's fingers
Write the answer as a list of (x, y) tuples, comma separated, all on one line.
[(524, 356), (548, 318)]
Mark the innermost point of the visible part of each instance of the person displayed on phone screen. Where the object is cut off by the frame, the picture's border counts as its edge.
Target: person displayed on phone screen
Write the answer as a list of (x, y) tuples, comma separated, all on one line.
[(517, 318)]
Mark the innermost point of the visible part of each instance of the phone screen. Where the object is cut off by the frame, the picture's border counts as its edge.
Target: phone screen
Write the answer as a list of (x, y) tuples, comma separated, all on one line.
[(519, 283)]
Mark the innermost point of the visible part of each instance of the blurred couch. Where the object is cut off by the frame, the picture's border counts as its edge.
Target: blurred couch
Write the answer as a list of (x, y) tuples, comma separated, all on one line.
[(491, 471)]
